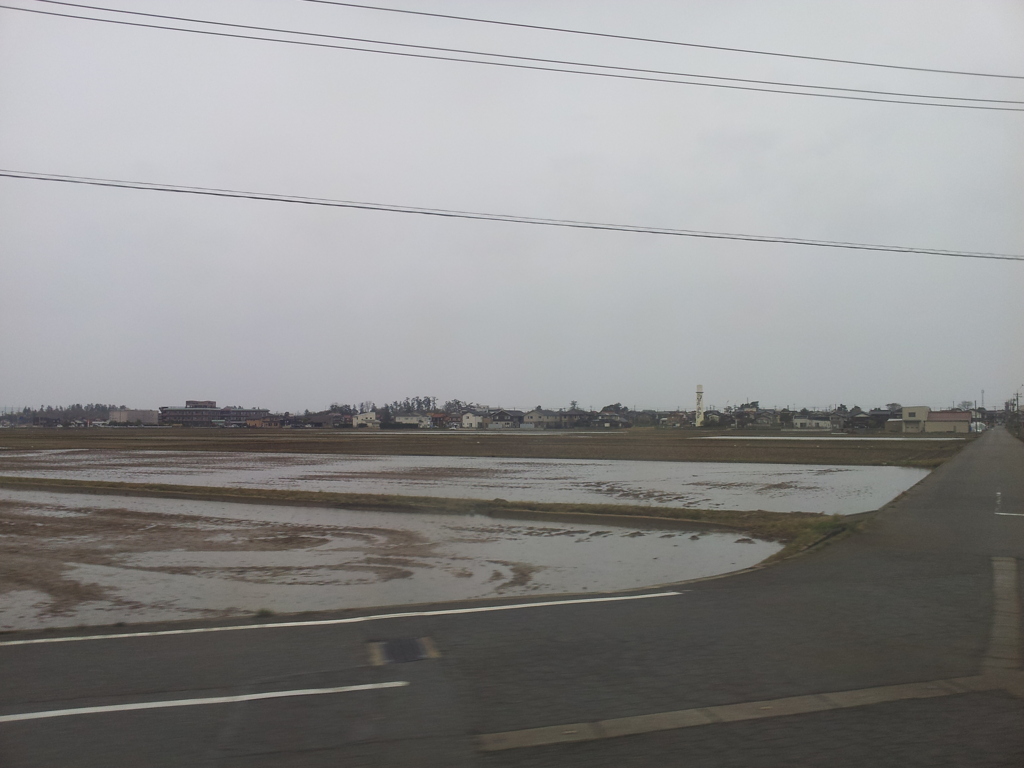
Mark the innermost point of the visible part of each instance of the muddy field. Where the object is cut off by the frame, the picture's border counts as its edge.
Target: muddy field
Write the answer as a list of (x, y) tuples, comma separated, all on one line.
[(68, 559), (641, 444)]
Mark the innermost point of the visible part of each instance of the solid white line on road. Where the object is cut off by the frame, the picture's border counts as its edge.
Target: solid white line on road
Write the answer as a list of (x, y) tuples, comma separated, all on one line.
[(1011, 514), (331, 622), (196, 702)]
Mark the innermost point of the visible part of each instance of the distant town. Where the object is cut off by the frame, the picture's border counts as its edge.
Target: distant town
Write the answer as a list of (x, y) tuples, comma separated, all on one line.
[(428, 413)]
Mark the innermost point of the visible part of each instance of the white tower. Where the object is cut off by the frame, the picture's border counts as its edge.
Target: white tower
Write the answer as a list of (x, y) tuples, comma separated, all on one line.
[(699, 418)]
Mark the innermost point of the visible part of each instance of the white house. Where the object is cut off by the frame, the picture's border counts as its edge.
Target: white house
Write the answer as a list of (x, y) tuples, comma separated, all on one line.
[(366, 420), (421, 420), (812, 422), (474, 420)]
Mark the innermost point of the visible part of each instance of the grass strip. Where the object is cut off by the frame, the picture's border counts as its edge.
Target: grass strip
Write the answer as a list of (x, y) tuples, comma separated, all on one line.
[(795, 530)]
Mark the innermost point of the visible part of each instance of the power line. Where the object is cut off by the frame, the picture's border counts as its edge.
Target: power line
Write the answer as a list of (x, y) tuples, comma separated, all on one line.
[(512, 56), (497, 217), (664, 42), (508, 65)]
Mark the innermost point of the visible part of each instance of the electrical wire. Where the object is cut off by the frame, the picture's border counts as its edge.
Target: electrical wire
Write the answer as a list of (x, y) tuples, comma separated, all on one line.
[(563, 62), (664, 42), (498, 217), (434, 57)]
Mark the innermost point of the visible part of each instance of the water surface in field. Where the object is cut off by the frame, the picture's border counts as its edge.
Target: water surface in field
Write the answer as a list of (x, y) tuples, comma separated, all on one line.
[(771, 487), (72, 559)]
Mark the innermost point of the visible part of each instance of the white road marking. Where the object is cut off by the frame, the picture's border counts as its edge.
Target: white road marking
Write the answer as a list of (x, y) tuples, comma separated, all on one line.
[(195, 702), (1010, 514), (331, 622)]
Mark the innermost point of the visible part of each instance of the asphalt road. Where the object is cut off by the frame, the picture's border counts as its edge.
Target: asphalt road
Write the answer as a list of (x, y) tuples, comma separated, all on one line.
[(898, 646)]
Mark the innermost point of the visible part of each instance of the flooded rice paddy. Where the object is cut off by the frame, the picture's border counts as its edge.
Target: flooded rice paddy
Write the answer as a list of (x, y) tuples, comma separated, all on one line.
[(75, 559), (840, 490)]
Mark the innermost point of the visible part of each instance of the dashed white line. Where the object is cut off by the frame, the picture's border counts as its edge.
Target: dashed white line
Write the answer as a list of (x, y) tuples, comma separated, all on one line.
[(195, 702), (331, 622)]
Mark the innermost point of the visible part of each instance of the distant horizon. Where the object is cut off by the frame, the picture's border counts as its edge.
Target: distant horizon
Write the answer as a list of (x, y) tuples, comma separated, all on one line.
[(6, 410)]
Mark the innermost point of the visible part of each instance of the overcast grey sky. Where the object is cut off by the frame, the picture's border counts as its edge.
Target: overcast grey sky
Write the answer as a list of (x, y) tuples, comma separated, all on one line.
[(148, 298)]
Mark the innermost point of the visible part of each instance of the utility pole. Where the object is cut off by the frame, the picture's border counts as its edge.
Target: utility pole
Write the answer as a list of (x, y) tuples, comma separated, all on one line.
[(698, 420)]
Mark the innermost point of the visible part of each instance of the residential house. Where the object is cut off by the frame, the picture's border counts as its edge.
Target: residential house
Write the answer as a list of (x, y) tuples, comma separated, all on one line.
[(812, 421), (715, 418), (538, 418), (766, 420), (502, 419), (611, 420), (948, 421), (879, 417), (862, 420), (367, 420), (915, 417), (475, 420), (418, 420), (576, 417), (329, 420), (677, 419)]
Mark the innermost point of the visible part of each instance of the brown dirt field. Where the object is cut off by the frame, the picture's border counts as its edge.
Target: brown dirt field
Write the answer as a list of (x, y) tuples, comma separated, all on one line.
[(641, 444)]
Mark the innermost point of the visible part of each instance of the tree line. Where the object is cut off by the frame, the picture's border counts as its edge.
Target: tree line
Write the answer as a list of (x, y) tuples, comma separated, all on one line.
[(74, 412)]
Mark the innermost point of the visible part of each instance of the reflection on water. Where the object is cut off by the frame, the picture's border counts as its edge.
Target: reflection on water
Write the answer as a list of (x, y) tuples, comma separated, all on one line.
[(144, 559), (772, 487)]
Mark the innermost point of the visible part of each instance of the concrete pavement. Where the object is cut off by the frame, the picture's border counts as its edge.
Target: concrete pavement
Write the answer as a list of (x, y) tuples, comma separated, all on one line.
[(925, 599)]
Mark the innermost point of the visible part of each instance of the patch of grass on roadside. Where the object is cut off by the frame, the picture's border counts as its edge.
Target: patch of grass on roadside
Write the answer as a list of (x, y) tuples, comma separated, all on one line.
[(796, 530)]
